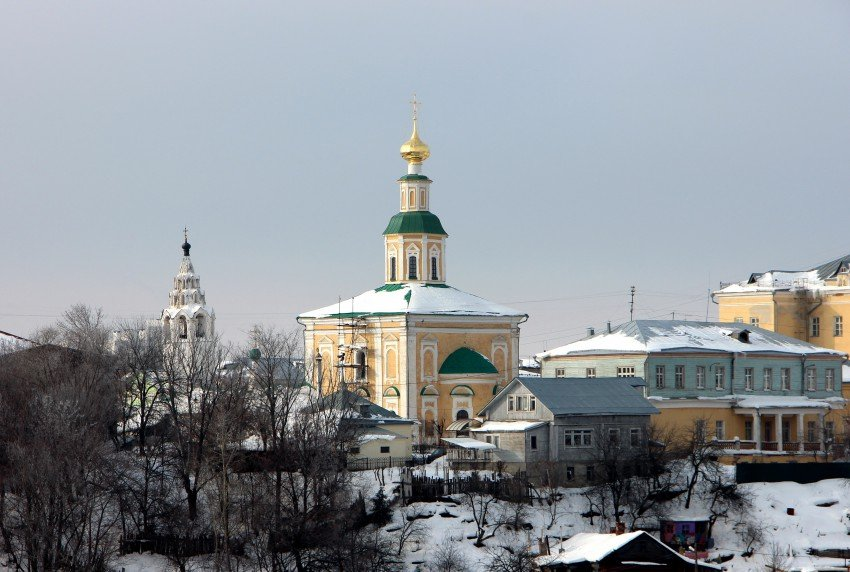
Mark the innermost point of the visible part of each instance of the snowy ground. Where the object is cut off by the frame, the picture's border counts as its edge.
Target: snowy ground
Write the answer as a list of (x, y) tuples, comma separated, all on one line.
[(810, 526)]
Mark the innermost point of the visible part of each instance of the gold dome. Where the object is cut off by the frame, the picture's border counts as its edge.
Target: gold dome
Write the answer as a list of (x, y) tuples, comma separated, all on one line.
[(414, 150)]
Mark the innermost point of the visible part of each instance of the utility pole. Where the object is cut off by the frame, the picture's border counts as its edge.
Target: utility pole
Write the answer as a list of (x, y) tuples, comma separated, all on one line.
[(632, 305)]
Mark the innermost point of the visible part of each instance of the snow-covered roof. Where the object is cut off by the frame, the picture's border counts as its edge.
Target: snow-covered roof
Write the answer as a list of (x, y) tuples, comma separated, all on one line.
[(399, 299), (650, 336), (468, 443), (776, 402), (595, 547), (508, 426), (812, 279)]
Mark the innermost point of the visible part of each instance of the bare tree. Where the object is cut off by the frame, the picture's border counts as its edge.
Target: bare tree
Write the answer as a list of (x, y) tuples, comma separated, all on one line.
[(448, 558), (776, 559), (482, 505), (553, 477), (412, 529), (518, 558), (752, 537), (699, 455)]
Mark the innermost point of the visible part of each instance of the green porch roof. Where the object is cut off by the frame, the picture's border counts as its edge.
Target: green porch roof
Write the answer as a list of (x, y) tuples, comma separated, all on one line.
[(424, 222), (466, 360)]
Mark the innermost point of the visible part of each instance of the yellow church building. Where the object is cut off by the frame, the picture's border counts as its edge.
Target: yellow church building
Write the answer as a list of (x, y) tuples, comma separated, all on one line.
[(416, 345)]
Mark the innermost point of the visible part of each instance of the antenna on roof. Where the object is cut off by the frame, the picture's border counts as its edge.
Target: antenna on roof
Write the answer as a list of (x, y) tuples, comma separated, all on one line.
[(632, 304)]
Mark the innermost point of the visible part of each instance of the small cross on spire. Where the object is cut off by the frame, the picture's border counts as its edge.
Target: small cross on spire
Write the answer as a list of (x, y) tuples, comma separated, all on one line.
[(185, 234), (415, 104)]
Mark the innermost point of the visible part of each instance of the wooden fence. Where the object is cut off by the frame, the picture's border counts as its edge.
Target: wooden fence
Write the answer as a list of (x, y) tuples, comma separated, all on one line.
[(419, 487)]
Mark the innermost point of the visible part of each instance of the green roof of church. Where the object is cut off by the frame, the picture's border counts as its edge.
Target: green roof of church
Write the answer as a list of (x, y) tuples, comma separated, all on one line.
[(466, 360), (424, 222), (414, 177)]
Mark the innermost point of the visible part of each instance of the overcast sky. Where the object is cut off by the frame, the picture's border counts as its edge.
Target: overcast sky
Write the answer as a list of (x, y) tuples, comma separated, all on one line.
[(577, 149)]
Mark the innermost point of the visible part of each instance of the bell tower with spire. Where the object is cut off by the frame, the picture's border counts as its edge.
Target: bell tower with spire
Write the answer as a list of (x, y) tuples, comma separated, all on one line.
[(187, 316), (414, 240)]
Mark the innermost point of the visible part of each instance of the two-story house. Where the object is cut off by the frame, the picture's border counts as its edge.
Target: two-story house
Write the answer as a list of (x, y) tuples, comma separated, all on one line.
[(754, 389), (564, 420)]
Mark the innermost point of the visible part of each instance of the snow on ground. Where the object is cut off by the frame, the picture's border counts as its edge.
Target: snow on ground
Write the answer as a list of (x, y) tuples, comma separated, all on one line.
[(811, 526)]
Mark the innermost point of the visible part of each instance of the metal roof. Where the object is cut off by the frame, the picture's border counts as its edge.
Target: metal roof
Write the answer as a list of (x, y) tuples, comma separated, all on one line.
[(589, 396)]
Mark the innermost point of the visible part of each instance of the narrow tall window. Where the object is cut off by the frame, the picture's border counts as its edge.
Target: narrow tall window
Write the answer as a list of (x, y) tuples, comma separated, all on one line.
[(748, 378), (830, 379), (392, 269), (411, 267), (719, 430), (434, 274), (785, 378), (815, 327), (634, 437), (700, 377), (811, 378), (659, 377), (768, 378), (361, 365), (720, 378), (838, 327), (680, 377), (422, 204), (412, 203), (200, 327)]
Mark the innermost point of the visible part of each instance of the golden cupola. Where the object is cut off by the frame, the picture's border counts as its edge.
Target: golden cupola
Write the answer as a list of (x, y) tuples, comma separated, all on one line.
[(414, 150)]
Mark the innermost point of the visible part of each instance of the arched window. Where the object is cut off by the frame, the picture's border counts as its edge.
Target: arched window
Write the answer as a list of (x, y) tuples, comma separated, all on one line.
[(199, 328), (182, 327), (412, 200), (434, 273), (462, 414), (360, 361), (422, 199), (392, 269), (166, 326), (411, 267), (403, 200)]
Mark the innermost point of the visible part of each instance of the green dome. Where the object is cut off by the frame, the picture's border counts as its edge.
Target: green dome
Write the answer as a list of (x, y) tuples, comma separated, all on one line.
[(466, 360), (415, 222)]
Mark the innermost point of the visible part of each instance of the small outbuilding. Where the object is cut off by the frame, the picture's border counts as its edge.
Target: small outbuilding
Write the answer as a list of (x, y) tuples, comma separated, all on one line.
[(639, 550)]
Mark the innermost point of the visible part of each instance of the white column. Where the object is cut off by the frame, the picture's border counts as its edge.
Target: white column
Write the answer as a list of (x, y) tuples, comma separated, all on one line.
[(800, 432), (779, 435), (757, 429)]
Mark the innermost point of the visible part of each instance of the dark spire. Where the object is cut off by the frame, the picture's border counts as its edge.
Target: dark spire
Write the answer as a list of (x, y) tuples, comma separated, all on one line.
[(186, 245)]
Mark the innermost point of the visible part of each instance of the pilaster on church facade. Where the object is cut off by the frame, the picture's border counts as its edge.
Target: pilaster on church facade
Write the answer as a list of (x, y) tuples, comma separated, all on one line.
[(415, 344)]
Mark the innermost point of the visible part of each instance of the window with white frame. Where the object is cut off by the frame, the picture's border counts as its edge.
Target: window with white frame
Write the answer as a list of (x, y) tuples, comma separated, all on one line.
[(829, 430), (811, 432), (720, 430), (700, 377), (560, 372), (767, 378), (659, 377), (754, 322), (578, 437), (829, 377), (522, 403), (435, 275), (838, 326), (748, 378), (626, 371), (699, 430), (739, 319), (590, 372), (679, 375), (634, 437), (720, 377), (785, 378), (815, 326), (412, 266), (493, 439), (613, 436), (811, 378)]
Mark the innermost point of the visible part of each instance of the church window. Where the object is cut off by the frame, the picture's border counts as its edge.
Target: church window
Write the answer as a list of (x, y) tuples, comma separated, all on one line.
[(167, 328), (412, 199), (422, 199), (392, 269), (182, 327), (434, 273), (361, 364), (403, 200), (411, 267), (199, 330)]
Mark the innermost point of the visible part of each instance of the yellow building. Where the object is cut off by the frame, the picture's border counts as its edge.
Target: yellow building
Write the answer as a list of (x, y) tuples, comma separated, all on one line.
[(416, 345), (810, 305)]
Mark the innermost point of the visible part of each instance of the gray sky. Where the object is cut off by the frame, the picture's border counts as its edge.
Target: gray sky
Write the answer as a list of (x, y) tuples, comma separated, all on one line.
[(577, 149)]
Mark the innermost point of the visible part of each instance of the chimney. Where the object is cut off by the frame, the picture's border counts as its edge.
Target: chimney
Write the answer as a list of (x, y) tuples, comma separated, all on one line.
[(590, 332), (543, 546), (609, 326), (620, 528)]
